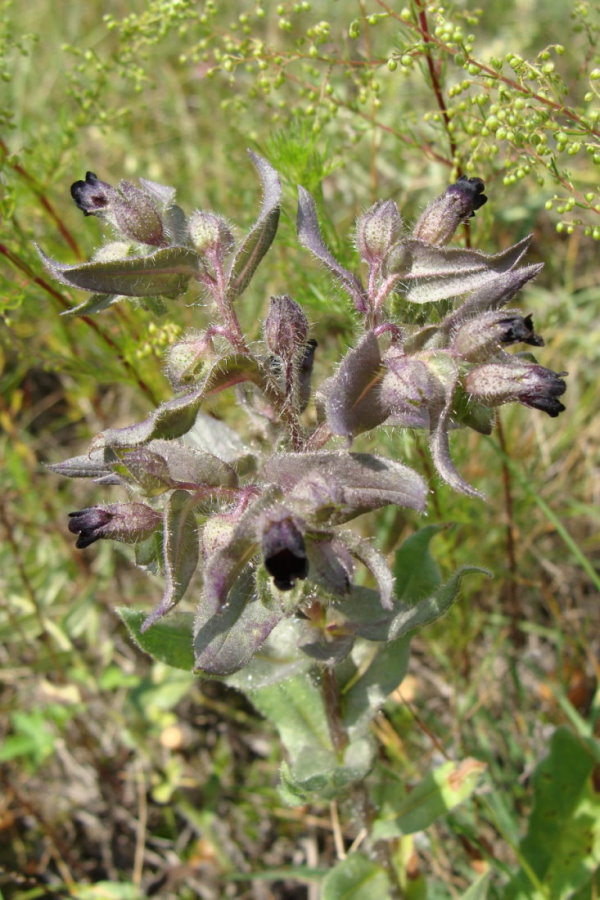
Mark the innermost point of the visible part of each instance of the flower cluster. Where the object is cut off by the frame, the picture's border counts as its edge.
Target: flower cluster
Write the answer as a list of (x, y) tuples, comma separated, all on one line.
[(261, 522)]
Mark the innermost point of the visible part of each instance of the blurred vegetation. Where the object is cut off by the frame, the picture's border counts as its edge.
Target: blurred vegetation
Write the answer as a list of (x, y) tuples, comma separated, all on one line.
[(119, 771)]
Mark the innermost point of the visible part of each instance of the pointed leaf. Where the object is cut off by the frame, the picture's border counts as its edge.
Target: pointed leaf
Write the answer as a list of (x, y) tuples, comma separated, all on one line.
[(259, 239), (439, 443), (180, 552), (95, 464), (309, 236), (494, 295), (165, 273), (366, 553), (356, 878), (177, 416), (562, 846), (169, 641), (352, 403), (94, 304), (434, 796), (438, 273)]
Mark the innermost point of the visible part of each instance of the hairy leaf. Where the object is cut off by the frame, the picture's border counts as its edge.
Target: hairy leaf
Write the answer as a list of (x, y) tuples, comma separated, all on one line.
[(169, 641), (175, 417), (352, 403), (165, 273), (260, 237), (180, 552), (438, 273), (309, 236), (227, 635), (333, 488)]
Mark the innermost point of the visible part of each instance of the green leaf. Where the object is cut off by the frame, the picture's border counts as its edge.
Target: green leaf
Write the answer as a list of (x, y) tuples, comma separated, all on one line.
[(479, 888), (561, 851), (420, 598), (180, 552), (277, 660), (315, 771), (165, 273), (94, 304), (356, 878), (259, 239), (168, 641), (438, 793), (362, 698)]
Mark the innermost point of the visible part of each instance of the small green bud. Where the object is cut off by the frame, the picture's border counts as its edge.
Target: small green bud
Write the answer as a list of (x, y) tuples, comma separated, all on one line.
[(210, 233), (377, 231)]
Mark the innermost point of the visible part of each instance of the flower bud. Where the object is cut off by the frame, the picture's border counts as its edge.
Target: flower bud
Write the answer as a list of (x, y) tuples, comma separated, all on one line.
[(408, 390), (377, 231), (128, 522), (186, 359), (528, 383), (480, 336), (443, 216), (284, 551), (285, 328), (210, 233), (135, 215)]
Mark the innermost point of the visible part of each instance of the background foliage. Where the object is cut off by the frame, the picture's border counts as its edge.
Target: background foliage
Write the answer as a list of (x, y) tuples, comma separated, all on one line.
[(118, 770)]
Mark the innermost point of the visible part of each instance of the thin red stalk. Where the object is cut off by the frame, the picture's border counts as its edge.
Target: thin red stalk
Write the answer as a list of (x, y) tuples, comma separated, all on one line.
[(45, 203), (20, 264)]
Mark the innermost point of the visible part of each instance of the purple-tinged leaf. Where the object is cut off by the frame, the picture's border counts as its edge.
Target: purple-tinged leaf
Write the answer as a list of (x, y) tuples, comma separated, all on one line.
[(260, 237), (352, 403), (330, 564), (161, 465), (309, 236), (176, 416), (332, 488), (365, 552), (180, 552), (95, 464), (494, 295), (437, 273), (164, 273), (227, 637), (439, 444)]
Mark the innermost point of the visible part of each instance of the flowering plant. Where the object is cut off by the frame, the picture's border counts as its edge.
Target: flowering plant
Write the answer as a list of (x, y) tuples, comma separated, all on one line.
[(256, 525)]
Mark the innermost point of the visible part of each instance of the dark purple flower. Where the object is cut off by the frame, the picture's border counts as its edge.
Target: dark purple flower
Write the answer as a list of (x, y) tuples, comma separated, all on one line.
[(528, 383), (128, 522), (284, 552), (92, 196)]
